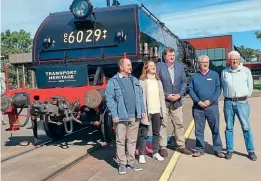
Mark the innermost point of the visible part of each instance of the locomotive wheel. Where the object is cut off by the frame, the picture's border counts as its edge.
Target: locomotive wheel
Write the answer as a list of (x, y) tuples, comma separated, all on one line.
[(108, 133), (52, 130)]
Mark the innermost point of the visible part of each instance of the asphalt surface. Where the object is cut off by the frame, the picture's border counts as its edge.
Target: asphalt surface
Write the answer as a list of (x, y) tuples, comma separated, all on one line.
[(42, 162), (99, 165), (210, 168)]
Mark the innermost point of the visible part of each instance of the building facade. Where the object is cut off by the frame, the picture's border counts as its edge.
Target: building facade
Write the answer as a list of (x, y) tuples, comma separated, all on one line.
[(216, 48)]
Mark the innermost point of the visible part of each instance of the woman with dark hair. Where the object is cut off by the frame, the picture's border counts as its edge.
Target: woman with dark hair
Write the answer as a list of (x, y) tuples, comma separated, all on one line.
[(155, 108)]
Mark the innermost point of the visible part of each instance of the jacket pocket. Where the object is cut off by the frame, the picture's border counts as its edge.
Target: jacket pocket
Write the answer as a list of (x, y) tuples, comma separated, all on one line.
[(137, 88), (118, 91)]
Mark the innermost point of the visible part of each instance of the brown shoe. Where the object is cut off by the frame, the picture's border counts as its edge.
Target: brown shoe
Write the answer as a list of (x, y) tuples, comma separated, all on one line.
[(220, 154), (185, 151), (197, 154), (163, 152)]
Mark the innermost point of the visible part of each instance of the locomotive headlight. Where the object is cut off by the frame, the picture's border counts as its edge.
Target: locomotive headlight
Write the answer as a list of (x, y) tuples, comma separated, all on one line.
[(121, 36), (81, 8)]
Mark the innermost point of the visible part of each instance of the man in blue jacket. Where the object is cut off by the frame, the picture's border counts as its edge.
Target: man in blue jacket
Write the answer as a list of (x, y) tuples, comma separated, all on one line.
[(204, 89), (124, 100), (173, 78)]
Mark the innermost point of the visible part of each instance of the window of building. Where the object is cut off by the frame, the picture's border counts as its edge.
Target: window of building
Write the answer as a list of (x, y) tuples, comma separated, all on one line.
[(213, 53), (219, 53), (217, 57), (256, 71)]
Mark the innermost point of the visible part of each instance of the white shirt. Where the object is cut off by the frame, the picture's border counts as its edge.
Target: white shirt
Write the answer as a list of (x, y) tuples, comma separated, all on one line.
[(237, 83)]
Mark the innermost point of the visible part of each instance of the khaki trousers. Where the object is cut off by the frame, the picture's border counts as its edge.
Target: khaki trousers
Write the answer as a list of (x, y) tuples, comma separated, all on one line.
[(176, 118), (126, 134)]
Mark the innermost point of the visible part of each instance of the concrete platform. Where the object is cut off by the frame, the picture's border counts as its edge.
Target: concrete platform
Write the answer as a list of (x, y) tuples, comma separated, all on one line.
[(210, 168)]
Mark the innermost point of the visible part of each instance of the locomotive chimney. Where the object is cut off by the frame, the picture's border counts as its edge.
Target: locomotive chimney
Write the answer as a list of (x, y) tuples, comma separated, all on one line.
[(108, 2)]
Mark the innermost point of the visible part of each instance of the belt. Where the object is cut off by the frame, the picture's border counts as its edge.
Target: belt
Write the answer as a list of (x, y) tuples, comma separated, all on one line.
[(236, 98)]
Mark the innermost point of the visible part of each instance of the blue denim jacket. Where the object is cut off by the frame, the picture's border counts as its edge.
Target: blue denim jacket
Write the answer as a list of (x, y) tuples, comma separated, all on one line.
[(115, 101)]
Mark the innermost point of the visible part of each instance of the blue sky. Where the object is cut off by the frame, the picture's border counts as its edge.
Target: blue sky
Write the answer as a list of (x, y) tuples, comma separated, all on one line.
[(186, 18)]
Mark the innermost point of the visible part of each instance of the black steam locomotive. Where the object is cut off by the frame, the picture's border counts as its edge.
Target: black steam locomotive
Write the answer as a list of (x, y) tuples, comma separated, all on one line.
[(76, 52), (99, 37)]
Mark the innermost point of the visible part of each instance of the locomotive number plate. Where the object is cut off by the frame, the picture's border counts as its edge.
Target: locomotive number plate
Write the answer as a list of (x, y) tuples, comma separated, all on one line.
[(85, 36)]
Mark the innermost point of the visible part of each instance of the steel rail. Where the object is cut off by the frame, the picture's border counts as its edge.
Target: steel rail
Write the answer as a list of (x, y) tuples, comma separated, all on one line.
[(41, 145), (73, 163)]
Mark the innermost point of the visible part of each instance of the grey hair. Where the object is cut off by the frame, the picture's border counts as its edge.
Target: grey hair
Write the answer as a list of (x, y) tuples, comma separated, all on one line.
[(201, 57), (235, 53)]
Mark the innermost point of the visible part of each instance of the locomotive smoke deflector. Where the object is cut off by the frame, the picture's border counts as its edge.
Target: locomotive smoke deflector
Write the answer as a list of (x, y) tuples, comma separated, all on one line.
[(81, 8)]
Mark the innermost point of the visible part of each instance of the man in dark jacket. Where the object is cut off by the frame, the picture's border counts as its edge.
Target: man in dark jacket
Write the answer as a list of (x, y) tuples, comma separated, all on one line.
[(204, 89), (173, 78), (125, 102)]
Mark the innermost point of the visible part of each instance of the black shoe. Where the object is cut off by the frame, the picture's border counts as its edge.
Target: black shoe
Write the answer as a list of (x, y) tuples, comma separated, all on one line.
[(252, 156), (185, 151), (163, 152), (220, 154), (229, 155), (197, 154)]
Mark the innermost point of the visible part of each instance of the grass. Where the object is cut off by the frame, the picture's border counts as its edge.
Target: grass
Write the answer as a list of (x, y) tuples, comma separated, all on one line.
[(257, 85)]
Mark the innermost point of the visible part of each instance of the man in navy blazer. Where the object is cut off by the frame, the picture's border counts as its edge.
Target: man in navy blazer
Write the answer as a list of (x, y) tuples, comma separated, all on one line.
[(173, 78)]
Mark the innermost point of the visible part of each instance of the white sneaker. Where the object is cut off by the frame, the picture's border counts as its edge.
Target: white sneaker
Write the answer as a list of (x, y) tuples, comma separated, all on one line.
[(142, 159), (157, 156)]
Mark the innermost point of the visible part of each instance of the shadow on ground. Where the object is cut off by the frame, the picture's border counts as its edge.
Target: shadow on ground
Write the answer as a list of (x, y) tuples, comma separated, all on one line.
[(191, 145)]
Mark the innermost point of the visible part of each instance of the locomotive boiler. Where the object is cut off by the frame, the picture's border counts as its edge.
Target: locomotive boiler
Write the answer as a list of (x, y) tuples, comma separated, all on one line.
[(75, 53)]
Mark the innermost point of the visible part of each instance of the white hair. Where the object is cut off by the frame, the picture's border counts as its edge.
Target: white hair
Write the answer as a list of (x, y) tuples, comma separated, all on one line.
[(235, 53), (201, 57)]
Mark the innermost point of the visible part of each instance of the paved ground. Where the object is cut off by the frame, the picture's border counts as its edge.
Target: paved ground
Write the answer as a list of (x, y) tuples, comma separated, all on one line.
[(99, 166), (211, 168), (15, 141)]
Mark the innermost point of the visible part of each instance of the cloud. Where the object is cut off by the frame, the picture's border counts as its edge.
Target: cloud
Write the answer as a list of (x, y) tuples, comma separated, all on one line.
[(217, 19), (29, 14), (185, 18)]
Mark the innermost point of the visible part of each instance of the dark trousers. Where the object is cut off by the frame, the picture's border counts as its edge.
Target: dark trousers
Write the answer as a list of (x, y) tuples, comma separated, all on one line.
[(211, 114), (143, 134)]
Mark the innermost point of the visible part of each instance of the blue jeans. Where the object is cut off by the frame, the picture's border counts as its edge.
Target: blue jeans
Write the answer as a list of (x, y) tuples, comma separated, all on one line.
[(211, 114), (242, 110)]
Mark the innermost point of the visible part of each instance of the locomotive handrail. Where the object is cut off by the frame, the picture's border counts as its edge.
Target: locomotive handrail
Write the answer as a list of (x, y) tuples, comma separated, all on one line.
[(92, 47)]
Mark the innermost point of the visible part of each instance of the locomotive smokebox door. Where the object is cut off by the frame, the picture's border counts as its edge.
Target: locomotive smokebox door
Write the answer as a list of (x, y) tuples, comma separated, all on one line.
[(92, 98)]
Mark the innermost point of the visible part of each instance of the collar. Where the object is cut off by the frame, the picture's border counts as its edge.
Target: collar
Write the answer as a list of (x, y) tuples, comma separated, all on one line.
[(171, 66), (149, 76), (121, 76), (204, 73), (239, 68)]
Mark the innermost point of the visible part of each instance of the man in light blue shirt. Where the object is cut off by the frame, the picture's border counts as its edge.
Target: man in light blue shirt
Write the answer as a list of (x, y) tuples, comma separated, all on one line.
[(237, 84)]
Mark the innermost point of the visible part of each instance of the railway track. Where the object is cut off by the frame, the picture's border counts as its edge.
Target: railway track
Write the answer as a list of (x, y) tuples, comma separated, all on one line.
[(41, 145), (52, 160), (73, 163)]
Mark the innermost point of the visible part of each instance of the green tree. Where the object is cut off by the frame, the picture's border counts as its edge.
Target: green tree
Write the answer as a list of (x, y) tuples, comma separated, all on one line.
[(258, 35), (247, 53), (14, 42)]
